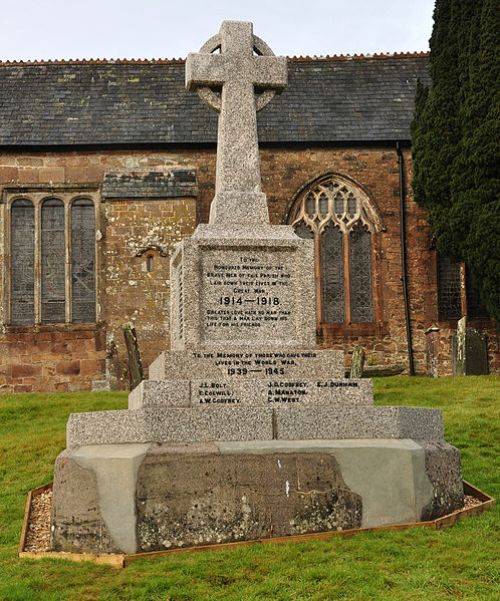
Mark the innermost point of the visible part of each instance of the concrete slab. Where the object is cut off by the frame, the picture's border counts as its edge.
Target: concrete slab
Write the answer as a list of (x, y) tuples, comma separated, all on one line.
[(115, 467)]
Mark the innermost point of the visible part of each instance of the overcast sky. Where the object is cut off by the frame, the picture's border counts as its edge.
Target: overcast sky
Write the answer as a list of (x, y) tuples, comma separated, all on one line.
[(44, 29)]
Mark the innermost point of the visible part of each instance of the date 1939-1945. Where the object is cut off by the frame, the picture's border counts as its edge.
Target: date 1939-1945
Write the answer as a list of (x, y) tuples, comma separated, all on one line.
[(268, 371)]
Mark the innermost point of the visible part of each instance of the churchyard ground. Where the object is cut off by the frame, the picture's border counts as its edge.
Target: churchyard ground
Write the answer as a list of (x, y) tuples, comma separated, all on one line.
[(415, 565)]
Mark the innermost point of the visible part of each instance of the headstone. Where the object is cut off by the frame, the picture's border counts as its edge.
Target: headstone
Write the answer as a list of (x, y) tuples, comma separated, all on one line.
[(469, 351), (432, 351), (357, 362), (460, 347), (135, 371), (245, 429)]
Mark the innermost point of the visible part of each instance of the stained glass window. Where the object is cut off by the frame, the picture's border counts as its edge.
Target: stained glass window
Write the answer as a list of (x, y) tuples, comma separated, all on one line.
[(303, 231), (40, 274), (53, 249), (452, 291), (360, 254), (475, 307), (332, 274), (449, 304), (82, 261), (22, 239), (338, 215)]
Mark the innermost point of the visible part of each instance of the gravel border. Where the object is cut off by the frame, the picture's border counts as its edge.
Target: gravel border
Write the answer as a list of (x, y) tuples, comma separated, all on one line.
[(38, 530)]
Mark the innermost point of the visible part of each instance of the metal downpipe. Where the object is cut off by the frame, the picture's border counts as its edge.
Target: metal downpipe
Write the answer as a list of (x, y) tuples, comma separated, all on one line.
[(404, 267)]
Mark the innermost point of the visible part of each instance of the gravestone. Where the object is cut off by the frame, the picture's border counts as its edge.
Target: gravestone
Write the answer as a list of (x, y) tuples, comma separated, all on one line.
[(469, 351), (135, 371), (357, 362), (244, 429)]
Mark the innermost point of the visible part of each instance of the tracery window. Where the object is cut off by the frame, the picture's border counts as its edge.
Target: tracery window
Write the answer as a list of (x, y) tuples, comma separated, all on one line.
[(52, 277), (338, 216)]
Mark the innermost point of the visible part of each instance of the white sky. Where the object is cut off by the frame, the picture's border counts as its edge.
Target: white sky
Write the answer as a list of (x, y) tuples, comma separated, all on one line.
[(44, 29)]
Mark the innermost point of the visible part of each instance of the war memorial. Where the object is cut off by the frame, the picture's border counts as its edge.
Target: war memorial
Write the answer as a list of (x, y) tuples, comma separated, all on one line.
[(244, 429)]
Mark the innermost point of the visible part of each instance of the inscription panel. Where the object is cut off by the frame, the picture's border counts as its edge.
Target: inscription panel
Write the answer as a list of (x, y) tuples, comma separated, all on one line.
[(269, 392), (244, 364), (247, 294), (280, 392)]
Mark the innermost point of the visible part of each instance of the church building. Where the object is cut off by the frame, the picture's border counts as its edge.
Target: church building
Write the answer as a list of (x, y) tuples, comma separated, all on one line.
[(106, 165)]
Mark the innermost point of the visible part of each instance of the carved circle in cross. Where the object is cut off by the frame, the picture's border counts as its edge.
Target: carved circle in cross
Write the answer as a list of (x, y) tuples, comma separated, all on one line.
[(212, 98)]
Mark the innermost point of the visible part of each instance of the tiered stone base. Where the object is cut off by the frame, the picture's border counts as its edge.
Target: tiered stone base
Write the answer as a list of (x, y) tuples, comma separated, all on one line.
[(144, 497)]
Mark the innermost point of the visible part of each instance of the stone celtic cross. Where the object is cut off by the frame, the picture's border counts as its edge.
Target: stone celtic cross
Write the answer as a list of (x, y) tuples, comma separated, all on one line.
[(244, 66)]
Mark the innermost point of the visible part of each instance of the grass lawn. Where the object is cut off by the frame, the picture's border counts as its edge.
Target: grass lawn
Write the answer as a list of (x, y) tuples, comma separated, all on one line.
[(457, 563)]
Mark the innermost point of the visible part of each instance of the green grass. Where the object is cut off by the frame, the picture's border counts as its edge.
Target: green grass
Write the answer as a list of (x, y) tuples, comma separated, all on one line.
[(457, 563)]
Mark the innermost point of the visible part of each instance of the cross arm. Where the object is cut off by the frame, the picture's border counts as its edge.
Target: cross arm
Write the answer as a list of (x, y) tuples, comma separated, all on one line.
[(270, 72), (205, 70)]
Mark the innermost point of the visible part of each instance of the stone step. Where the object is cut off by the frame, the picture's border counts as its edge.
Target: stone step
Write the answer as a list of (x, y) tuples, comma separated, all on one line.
[(307, 423), (231, 423), (241, 363), (183, 393), (177, 424)]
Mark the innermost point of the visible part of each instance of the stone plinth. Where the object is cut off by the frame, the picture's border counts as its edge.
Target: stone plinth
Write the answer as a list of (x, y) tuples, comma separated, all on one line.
[(220, 492), (251, 292)]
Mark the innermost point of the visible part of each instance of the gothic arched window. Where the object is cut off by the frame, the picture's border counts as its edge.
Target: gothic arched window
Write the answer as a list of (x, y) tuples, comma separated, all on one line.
[(338, 216)]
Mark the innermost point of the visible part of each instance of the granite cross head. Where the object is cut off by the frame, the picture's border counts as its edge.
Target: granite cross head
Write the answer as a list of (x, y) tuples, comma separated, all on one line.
[(244, 65)]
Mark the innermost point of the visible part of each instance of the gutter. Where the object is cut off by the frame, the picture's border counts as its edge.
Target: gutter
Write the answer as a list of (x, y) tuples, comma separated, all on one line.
[(404, 267)]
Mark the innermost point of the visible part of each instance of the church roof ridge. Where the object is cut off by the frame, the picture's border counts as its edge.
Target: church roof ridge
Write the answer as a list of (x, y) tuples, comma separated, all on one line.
[(361, 56), (170, 61), (91, 61)]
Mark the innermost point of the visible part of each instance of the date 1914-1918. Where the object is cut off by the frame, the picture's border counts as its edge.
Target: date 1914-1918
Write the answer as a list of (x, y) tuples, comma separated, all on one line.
[(259, 300)]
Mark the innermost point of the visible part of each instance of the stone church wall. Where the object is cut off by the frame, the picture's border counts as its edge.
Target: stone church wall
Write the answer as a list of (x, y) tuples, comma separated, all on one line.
[(67, 357)]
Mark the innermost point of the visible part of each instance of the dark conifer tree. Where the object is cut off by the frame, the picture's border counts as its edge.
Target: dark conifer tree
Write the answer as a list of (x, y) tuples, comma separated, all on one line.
[(456, 140)]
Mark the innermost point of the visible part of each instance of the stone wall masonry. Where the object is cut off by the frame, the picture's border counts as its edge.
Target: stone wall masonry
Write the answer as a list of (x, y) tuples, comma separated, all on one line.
[(135, 231), (128, 292), (51, 359)]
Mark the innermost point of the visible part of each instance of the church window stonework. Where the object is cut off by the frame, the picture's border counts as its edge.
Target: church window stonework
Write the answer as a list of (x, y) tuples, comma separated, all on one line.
[(449, 294), (53, 270), (338, 216), (458, 293), (83, 261), (23, 262), (52, 259)]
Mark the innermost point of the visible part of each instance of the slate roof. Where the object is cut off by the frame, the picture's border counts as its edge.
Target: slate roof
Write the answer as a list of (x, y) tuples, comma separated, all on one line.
[(332, 99)]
